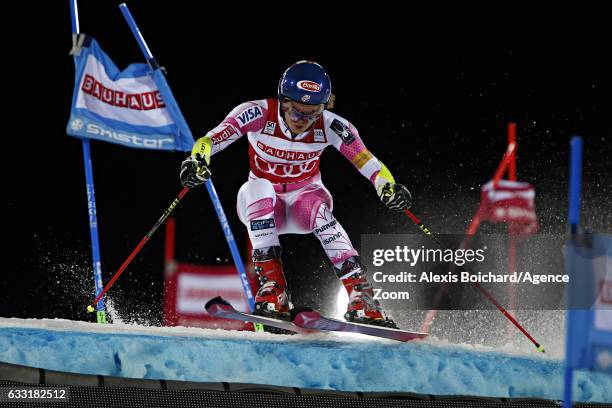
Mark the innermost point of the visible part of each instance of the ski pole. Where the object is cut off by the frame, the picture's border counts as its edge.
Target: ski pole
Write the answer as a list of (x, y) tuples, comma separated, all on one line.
[(129, 259), (427, 232)]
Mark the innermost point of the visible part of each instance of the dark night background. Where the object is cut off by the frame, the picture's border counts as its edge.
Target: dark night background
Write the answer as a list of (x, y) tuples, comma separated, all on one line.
[(430, 90)]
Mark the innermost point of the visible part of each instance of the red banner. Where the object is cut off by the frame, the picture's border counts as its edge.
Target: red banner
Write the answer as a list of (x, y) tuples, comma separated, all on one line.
[(510, 202), (189, 287)]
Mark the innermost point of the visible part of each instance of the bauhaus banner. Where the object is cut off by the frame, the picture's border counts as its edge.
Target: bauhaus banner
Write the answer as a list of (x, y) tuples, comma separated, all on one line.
[(133, 107)]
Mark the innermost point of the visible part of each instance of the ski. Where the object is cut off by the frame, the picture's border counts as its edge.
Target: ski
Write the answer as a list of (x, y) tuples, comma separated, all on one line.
[(308, 321), (219, 307), (312, 319)]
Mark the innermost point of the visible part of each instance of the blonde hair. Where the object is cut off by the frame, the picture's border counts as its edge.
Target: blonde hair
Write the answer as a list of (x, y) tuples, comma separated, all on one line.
[(331, 102)]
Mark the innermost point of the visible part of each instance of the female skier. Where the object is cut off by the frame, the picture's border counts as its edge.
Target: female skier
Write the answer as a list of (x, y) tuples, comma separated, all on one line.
[(284, 193)]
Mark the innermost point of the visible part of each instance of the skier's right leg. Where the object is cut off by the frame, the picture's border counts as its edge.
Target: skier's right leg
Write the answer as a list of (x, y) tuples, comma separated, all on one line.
[(257, 203)]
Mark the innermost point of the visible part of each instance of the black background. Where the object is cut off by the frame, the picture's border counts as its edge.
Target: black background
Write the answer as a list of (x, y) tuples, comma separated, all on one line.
[(430, 89)]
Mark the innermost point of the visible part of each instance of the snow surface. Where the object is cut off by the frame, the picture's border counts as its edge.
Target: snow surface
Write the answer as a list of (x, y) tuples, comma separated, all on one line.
[(331, 361)]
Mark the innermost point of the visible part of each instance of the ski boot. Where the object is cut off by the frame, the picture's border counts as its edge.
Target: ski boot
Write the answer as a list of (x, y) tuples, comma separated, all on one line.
[(362, 307), (271, 299)]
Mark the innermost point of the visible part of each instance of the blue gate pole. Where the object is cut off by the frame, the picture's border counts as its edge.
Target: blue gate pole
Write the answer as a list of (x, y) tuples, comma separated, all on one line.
[(229, 237), (575, 182), (91, 197)]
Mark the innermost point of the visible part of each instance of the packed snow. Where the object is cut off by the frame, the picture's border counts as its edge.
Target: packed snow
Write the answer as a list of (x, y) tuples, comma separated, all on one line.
[(346, 362)]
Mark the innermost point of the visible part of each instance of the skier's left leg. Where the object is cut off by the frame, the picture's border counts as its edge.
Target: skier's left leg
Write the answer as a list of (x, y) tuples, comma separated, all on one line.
[(313, 208), (362, 306)]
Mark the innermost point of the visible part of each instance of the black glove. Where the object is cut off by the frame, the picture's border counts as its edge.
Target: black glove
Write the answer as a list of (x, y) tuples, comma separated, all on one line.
[(194, 171), (396, 196)]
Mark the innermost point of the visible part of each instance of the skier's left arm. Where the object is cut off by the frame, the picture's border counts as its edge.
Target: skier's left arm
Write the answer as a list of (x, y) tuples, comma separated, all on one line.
[(345, 137)]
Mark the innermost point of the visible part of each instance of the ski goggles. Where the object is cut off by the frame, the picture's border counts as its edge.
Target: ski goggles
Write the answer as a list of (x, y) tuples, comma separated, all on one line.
[(298, 115)]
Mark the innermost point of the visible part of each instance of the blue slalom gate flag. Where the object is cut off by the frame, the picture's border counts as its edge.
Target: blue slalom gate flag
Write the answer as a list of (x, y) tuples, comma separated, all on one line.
[(589, 300), (133, 107)]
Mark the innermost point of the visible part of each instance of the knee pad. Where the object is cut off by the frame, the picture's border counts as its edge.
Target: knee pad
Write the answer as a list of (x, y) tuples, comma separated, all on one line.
[(256, 198)]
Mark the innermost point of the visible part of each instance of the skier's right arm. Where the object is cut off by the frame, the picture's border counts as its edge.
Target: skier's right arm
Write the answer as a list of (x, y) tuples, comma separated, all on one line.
[(246, 117)]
